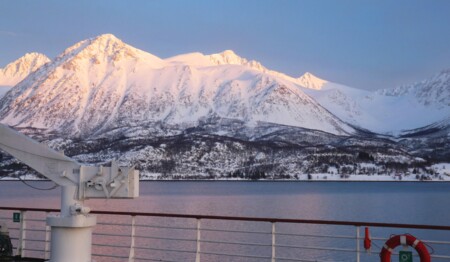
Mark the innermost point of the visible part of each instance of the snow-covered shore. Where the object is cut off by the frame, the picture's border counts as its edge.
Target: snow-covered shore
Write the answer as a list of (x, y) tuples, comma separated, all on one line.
[(441, 174)]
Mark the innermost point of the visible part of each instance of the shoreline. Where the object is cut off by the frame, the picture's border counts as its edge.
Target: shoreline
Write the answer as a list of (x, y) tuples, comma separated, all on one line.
[(259, 180)]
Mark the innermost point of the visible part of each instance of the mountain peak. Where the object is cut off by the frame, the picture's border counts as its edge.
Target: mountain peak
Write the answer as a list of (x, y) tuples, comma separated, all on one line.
[(34, 55), (228, 53), (107, 37), (229, 57), (28, 58), (311, 81), (106, 43), (104, 49), (17, 70)]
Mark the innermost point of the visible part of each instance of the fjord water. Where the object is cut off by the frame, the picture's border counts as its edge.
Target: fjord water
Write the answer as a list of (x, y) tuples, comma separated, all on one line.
[(389, 202)]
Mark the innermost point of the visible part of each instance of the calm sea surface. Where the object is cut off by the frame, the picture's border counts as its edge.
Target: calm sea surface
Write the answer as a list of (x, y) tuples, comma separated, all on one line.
[(416, 203), (390, 202)]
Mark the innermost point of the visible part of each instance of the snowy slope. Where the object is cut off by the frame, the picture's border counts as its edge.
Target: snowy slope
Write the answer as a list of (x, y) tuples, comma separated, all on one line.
[(102, 83), (3, 90), (384, 111), (16, 71), (433, 92)]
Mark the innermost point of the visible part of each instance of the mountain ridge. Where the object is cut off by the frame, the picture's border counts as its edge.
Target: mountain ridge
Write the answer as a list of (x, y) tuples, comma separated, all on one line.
[(387, 111), (209, 116), (100, 83)]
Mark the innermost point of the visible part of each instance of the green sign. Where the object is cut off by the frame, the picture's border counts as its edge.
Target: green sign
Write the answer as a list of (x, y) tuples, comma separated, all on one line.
[(16, 217), (405, 256)]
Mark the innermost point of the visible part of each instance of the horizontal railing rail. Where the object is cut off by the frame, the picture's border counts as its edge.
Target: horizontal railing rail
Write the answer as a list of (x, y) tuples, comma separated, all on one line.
[(253, 219), (137, 236)]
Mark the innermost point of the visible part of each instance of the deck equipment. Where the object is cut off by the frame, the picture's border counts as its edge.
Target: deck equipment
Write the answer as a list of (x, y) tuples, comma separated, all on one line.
[(71, 231), (367, 240)]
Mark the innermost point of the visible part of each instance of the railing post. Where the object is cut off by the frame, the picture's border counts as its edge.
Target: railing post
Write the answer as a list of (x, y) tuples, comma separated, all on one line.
[(133, 234), (273, 241), (22, 234), (357, 244), (197, 254), (47, 240)]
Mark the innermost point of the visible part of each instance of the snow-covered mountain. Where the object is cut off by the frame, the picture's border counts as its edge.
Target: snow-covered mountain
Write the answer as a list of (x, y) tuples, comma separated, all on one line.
[(432, 92), (16, 71), (387, 111), (221, 115), (101, 84), (105, 74), (384, 111)]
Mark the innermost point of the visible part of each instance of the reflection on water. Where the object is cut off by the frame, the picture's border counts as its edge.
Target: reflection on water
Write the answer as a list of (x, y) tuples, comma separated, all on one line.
[(352, 201), (415, 203)]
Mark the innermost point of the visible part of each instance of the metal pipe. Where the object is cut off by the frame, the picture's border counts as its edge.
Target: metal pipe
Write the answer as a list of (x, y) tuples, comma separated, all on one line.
[(273, 242), (358, 256), (198, 250)]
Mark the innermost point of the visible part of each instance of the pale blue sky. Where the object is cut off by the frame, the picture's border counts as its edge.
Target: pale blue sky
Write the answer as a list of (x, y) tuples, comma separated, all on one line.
[(364, 44)]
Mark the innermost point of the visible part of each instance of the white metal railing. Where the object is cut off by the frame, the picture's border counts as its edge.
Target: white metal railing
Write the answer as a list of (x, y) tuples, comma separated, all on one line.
[(123, 236)]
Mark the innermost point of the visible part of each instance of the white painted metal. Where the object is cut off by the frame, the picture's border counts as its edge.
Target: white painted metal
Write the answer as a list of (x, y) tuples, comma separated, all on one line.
[(71, 238), (22, 235), (109, 181), (71, 232), (198, 250), (133, 234), (47, 241), (273, 242), (358, 256), (50, 163), (118, 244)]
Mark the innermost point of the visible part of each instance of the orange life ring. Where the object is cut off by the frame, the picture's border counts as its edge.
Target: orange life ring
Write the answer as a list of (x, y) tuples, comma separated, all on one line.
[(409, 240)]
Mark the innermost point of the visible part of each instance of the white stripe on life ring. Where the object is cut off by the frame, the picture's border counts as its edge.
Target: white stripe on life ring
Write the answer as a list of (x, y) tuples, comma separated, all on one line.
[(388, 248), (403, 240), (416, 242)]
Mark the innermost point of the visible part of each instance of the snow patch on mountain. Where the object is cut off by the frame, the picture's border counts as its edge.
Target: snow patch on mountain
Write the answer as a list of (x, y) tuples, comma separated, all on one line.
[(17, 70)]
